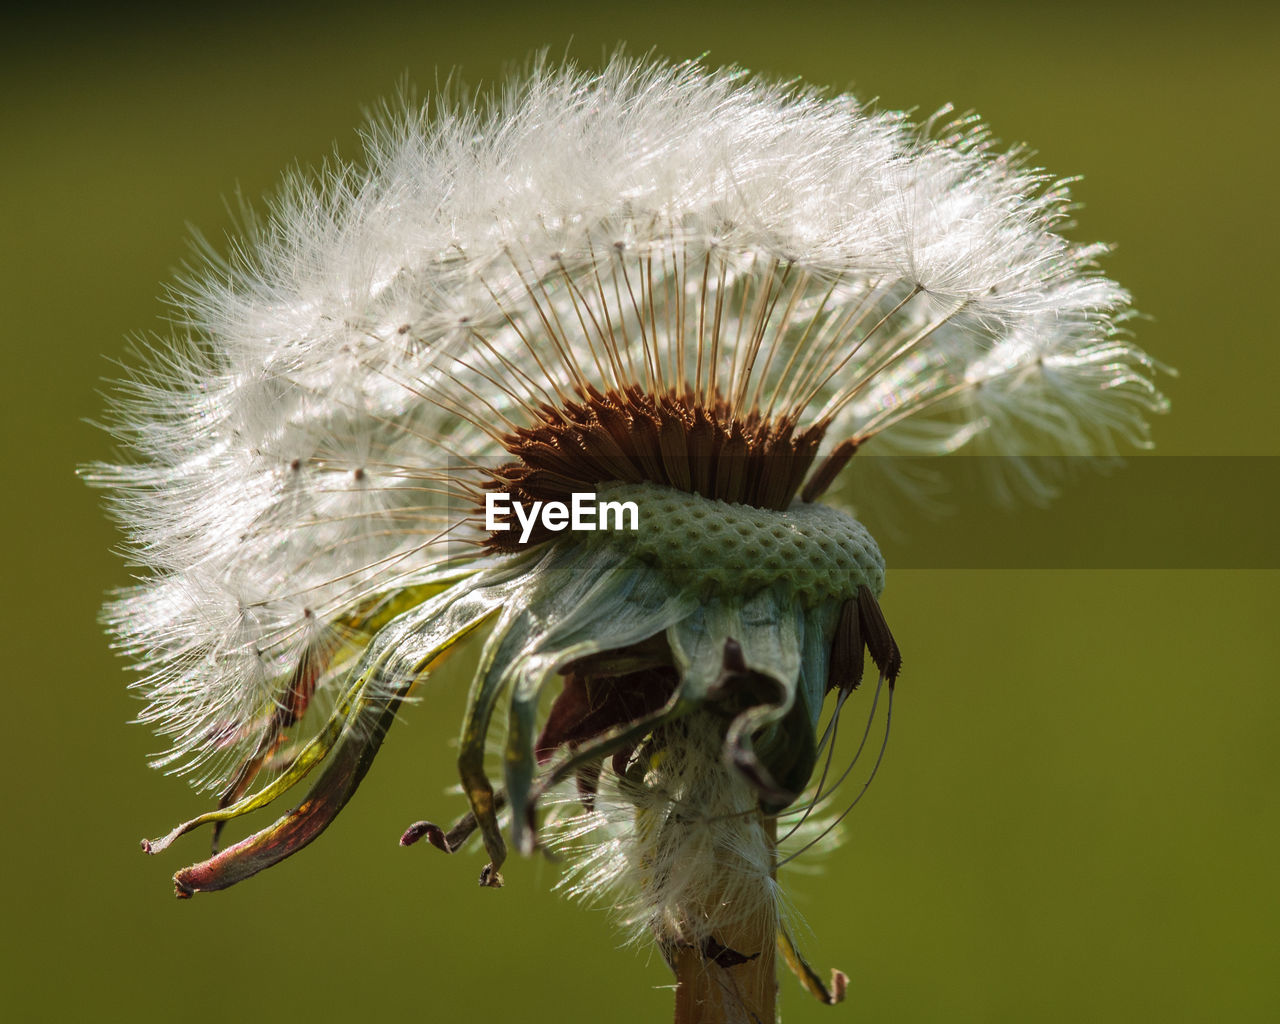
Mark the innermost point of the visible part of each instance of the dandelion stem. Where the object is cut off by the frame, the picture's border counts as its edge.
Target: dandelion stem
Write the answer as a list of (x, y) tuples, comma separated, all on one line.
[(724, 986)]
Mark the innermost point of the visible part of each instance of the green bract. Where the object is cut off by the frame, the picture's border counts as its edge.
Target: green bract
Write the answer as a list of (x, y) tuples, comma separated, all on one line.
[(731, 590)]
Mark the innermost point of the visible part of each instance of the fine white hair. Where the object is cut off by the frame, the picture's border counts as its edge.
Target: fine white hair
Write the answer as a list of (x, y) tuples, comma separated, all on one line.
[(290, 444)]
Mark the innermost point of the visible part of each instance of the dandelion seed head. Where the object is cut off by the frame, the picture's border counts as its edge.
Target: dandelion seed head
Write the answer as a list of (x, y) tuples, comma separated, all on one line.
[(693, 285)]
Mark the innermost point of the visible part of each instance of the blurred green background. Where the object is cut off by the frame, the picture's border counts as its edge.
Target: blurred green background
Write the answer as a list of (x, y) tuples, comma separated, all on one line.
[(1077, 819)]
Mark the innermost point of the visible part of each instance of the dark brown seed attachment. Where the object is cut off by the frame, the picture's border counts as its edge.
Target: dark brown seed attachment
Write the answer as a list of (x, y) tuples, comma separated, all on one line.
[(672, 439)]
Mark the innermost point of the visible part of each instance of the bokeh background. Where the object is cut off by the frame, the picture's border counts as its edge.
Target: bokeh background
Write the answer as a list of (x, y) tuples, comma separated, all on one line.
[(1077, 819)]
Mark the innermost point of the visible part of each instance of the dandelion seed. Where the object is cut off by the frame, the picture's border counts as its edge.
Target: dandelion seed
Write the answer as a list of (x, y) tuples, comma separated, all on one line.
[(688, 292)]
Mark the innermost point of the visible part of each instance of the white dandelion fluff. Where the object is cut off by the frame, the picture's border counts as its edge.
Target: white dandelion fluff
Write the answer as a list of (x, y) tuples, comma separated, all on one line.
[(690, 290)]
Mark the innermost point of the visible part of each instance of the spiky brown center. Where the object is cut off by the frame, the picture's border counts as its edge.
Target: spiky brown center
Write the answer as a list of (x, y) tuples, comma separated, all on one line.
[(672, 439)]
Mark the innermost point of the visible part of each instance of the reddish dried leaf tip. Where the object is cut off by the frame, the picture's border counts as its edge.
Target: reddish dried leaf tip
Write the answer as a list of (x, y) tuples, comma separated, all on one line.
[(146, 846), (429, 831), (839, 984)]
